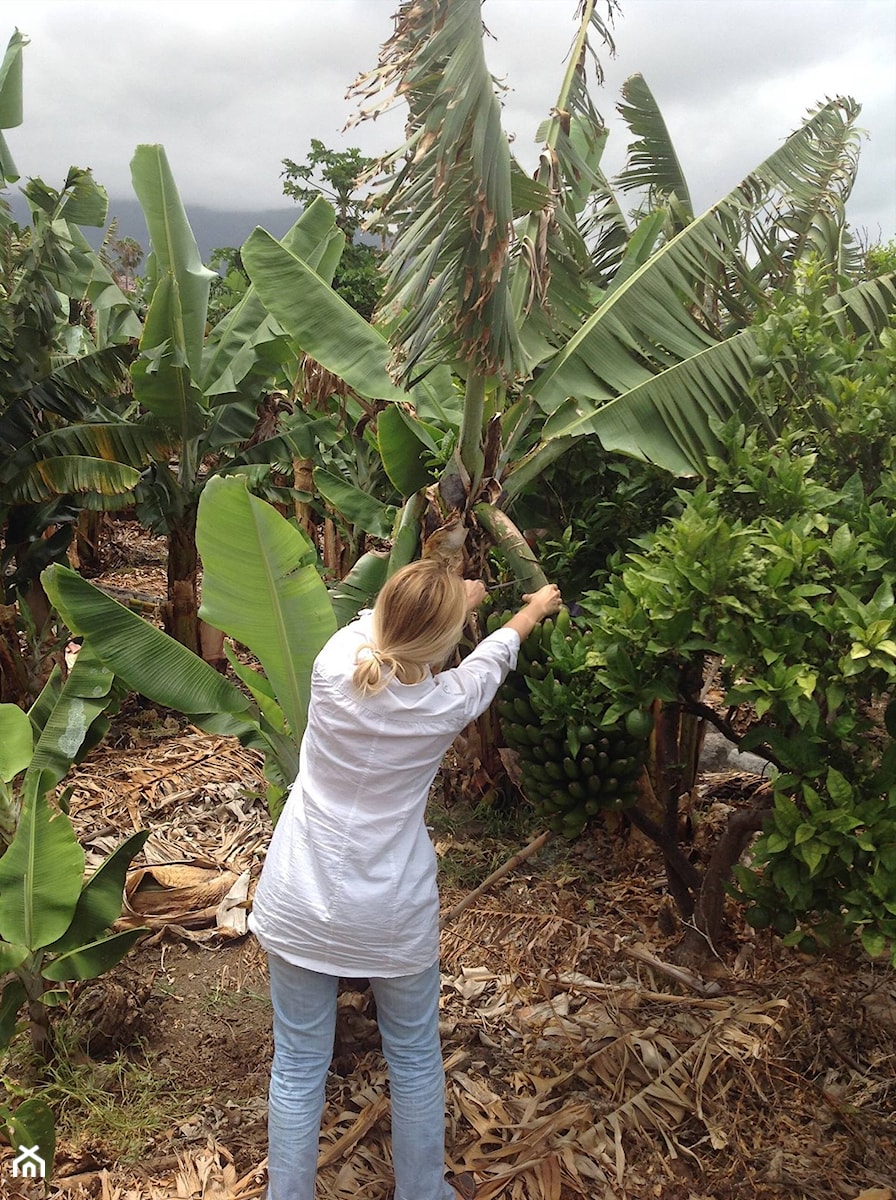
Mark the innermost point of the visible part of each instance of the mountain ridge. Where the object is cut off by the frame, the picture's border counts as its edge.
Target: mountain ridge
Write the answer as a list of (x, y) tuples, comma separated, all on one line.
[(211, 227)]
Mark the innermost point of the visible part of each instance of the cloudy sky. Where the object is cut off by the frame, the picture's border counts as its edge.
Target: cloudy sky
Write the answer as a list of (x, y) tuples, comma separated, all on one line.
[(231, 87)]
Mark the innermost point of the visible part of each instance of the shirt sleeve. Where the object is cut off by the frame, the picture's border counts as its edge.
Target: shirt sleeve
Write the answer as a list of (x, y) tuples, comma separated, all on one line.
[(482, 672)]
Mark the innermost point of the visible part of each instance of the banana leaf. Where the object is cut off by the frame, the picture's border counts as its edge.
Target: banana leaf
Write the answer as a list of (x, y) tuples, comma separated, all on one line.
[(16, 741), (81, 702), (83, 201), (11, 957), (359, 508), (167, 373), (69, 473), (116, 442), (260, 689), (10, 101), (247, 341), (319, 321), (261, 586), (550, 277), (405, 444), (359, 587), (143, 657), (40, 873), (652, 162), (654, 322), (100, 902), (690, 397), (406, 532), (33, 1124), (316, 239), (88, 962), (175, 256), (163, 381), (448, 266)]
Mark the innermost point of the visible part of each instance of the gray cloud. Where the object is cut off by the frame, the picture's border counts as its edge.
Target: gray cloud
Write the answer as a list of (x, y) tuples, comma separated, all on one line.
[(232, 88)]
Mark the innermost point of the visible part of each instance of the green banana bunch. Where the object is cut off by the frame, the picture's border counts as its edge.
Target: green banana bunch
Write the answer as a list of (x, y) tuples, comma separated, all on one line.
[(573, 765)]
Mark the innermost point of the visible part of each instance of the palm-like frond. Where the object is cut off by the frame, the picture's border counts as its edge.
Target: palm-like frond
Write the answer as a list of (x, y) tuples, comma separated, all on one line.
[(129, 443), (447, 272), (66, 475), (10, 100), (799, 203), (72, 391), (652, 163), (605, 228), (668, 419), (551, 293), (661, 316)]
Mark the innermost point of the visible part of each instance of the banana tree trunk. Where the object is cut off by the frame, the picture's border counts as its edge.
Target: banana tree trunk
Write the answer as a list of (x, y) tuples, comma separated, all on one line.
[(38, 1015), (481, 776), (85, 553), (333, 550), (13, 668), (471, 433), (180, 611), (303, 481)]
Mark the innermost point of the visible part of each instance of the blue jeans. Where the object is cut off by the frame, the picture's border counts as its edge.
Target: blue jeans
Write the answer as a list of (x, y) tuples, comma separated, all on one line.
[(304, 1004)]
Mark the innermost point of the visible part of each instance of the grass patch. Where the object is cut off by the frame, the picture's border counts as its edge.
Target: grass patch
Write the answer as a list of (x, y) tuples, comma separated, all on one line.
[(222, 1000), (117, 1107), (121, 1105)]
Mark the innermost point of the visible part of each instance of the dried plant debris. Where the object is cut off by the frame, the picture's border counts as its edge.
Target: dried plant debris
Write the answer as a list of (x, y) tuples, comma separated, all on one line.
[(581, 1064)]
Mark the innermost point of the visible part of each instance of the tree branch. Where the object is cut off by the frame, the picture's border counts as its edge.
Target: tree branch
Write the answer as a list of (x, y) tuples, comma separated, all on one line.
[(699, 709), (510, 865)]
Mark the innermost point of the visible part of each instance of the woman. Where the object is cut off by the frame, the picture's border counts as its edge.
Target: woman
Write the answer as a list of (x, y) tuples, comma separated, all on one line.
[(349, 884)]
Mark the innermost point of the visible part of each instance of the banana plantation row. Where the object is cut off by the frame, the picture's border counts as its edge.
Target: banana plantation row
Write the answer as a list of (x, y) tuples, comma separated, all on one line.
[(686, 419)]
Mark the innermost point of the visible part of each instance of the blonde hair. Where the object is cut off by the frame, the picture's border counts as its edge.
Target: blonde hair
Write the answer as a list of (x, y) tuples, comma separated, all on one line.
[(418, 618)]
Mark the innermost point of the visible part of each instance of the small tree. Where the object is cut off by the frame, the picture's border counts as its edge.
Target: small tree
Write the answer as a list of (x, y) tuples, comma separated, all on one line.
[(780, 569), (879, 259), (336, 175)]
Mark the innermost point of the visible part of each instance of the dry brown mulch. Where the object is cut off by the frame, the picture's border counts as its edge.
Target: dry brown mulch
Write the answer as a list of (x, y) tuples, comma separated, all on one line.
[(580, 1063)]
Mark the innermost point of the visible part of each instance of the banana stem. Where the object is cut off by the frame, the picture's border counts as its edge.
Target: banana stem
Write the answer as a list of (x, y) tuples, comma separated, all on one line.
[(512, 545)]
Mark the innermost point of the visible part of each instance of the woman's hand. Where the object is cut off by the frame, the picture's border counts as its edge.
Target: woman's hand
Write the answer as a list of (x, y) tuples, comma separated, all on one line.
[(537, 606), (476, 593), (545, 602)]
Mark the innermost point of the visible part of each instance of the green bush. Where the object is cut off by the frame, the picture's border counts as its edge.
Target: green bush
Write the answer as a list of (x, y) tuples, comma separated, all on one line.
[(782, 568)]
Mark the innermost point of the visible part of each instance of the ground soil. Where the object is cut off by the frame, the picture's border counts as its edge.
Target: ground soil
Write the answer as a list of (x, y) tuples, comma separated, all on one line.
[(579, 1064)]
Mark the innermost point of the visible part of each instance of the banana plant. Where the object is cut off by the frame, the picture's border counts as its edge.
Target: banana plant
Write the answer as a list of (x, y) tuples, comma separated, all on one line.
[(653, 357), (212, 391), (489, 273), (54, 924), (31, 1123), (66, 338), (10, 101), (260, 586), (64, 356), (638, 339)]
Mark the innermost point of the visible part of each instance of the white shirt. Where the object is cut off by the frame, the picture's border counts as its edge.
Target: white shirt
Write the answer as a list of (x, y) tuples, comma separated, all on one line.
[(349, 883)]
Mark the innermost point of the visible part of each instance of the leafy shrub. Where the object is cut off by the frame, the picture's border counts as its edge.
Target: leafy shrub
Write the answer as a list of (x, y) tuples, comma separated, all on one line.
[(782, 568)]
